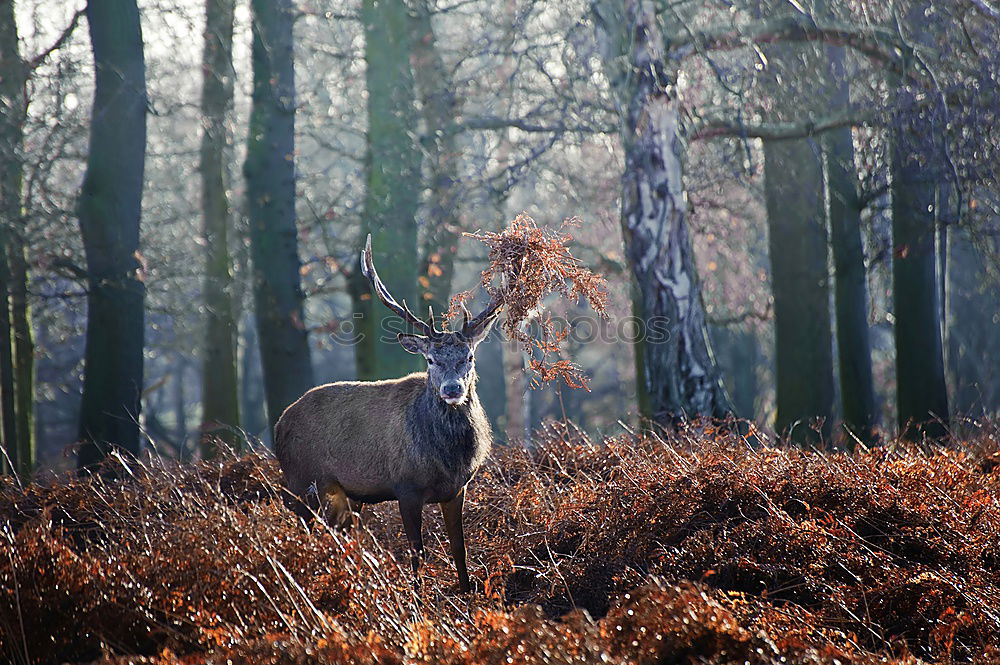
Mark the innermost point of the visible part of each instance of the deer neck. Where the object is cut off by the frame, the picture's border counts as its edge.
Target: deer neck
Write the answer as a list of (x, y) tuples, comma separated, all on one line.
[(443, 429)]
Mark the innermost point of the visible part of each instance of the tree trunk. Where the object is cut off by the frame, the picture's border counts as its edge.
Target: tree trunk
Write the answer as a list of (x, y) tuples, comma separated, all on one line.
[(14, 111), (918, 173), (516, 427), (180, 402), (512, 370), (109, 209), (677, 376), (922, 399), (270, 175), (973, 331), (843, 211), (738, 357), (857, 389), (393, 186), (13, 305), (220, 393), (796, 219), (24, 355), (492, 384), (440, 107), (8, 417), (799, 245), (252, 406)]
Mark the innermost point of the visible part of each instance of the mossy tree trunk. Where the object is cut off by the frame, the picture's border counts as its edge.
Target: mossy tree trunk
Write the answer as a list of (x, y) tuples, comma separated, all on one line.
[(220, 393), (393, 187), (109, 209), (13, 115), (677, 375), (270, 178), (8, 417), (16, 349), (439, 108), (799, 245)]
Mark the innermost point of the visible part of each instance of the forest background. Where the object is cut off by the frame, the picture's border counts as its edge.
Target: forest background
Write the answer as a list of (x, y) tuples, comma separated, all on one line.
[(803, 194)]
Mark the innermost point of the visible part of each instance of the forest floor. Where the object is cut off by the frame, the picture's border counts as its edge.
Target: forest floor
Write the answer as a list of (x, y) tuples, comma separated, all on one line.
[(696, 548)]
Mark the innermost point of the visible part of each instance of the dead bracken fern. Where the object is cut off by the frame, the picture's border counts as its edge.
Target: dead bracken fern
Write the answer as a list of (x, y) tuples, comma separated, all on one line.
[(690, 549), (527, 263)]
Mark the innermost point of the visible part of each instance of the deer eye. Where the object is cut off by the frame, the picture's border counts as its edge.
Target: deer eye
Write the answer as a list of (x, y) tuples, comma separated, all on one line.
[(430, 361), (469, 359)]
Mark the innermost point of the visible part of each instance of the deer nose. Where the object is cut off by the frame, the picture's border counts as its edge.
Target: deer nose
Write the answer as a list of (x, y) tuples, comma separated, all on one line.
[(451, 389)]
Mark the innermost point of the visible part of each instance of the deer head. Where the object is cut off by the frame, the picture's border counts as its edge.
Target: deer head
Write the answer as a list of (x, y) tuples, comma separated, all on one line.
[(450, 355)]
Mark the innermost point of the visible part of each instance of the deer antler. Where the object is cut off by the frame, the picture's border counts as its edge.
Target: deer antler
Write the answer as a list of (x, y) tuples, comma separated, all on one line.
[(368, 270), (472, 328)]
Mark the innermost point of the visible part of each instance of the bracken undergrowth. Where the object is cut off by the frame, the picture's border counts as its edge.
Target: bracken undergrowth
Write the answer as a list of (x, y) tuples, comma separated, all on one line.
[(691, 547)]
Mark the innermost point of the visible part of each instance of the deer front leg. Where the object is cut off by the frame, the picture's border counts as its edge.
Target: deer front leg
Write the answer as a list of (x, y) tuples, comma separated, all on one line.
[(410, 509), (452, 511)]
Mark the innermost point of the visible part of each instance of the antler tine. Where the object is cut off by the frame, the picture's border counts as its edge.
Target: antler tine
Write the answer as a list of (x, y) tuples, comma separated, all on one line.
[(430, 316), (466, 316), (474, 327), (368, 270)]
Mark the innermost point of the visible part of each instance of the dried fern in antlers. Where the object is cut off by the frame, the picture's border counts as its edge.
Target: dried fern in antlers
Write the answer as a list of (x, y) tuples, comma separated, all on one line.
[(527, 263)]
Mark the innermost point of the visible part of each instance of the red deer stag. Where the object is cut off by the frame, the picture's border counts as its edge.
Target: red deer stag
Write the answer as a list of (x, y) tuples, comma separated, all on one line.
[(416, 440)]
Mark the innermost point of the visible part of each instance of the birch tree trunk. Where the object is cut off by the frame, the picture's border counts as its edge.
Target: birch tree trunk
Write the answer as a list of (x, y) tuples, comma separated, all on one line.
[(270, 176), (677, 376), (393, 187), (220, 393), (109, 209)]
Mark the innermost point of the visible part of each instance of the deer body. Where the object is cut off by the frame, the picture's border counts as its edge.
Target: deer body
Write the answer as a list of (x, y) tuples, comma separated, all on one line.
[(382, 440), (416, 440)]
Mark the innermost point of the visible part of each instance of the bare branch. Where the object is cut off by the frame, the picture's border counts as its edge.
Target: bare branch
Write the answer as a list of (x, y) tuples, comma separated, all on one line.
[(714, 127), (37, 61), (328, 15), (743, 317), (525, 125), (877, 43)]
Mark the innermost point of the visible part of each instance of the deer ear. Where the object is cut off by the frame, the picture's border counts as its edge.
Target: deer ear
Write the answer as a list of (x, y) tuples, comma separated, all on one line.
[(412, 343)]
